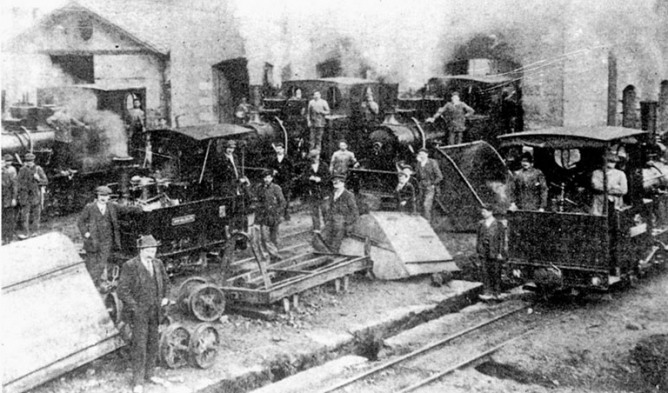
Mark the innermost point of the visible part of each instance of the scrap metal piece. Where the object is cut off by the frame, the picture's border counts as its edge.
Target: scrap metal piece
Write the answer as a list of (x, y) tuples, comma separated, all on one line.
[(204, 343), (175, 346)]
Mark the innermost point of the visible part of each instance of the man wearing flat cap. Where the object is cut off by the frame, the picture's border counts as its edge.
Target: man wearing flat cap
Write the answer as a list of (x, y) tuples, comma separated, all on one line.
[(315, 177), (528, 189), (227, 175), (144, 289), (31, 182), (283, 171), (490, 247), (428, 175), (405, 191), (9, 198), (98, 224), (271, 205), (617, 185), (341, 213)]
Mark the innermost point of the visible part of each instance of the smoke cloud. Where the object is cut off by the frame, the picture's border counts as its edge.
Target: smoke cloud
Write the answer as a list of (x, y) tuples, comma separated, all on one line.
[(409, 42)]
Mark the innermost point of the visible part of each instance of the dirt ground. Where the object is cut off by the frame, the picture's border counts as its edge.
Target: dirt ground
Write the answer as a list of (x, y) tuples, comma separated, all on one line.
[(584, 345)]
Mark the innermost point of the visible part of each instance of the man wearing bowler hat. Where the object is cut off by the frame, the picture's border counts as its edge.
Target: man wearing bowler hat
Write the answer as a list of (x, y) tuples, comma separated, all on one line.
[(227, 174), (144, 288), (31, 182), (98, 224), (341, 213), (9, 198)]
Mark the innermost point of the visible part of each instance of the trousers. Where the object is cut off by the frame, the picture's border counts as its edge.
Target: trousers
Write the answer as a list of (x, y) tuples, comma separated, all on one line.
[(144, 348), (315, 138), (428, 194)]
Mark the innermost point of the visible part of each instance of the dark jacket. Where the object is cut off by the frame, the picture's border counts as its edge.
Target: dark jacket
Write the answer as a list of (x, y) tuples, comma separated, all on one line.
[(344, 206), (284, 171), (28, 186), (315, 191), (90, 220), (136, 289), (490, 241), (429, 175), (529, 189), (271, 204), (406, 194), (9, 186)]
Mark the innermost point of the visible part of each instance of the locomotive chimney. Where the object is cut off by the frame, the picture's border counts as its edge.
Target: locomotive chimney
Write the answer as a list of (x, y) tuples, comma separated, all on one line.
[(122, 165), (648, 112)]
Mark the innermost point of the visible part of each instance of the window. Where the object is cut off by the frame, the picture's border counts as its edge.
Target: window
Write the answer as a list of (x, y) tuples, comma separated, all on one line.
[(80, 68)]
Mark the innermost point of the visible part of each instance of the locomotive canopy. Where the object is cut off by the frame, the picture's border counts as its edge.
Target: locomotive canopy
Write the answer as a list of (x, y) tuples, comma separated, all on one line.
[(571, 244)]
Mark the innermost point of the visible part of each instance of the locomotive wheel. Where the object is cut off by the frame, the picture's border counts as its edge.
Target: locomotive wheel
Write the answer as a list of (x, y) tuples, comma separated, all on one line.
[(204, 343), (207, 302), (174, 346), (186, 288), (114, 306)]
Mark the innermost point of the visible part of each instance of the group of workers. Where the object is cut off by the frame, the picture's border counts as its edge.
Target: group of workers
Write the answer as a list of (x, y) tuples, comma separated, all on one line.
[(22, 194)]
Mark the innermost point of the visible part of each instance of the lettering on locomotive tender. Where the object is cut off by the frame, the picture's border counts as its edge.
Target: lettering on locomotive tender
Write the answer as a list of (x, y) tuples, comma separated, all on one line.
[(187, 219), (221, 211)]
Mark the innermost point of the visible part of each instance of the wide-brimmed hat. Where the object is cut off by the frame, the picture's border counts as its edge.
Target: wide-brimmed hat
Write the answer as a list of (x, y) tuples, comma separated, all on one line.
[(103, 190), (267, 172), (147, 241), (29, 157)]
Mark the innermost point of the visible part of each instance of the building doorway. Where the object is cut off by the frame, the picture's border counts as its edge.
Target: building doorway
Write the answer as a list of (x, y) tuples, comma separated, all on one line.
[(231, 84)]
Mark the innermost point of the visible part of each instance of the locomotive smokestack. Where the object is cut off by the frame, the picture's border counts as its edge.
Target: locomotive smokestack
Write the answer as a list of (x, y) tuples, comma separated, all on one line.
[(648, 112)]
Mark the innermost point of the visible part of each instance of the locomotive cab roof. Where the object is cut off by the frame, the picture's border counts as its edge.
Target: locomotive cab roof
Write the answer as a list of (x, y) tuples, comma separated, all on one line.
[(207, 131), (574, 137)]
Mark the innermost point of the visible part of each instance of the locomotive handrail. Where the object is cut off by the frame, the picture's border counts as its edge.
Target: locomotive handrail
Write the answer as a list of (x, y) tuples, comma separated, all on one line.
[(285, 134), (422, 134), (27, 132), (206, 158)]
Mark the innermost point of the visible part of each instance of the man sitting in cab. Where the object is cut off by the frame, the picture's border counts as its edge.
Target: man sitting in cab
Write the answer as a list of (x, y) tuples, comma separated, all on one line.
[(616, 182)]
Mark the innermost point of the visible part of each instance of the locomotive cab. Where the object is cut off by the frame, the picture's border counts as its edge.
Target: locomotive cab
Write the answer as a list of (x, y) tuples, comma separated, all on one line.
[(575, 243)]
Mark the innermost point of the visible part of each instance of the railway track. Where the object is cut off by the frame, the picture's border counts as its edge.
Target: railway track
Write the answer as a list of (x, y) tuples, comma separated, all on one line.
[(414, 371)]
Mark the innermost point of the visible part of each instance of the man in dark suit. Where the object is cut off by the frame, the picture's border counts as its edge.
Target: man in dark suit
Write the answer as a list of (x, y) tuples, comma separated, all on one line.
[(271, 204), (405, 191), (98, 224), (227, 174), (9, 199), (428, 175), (315, 178), (283, 172), (143, 288), (31, 182), (341, 213), (490, 247)]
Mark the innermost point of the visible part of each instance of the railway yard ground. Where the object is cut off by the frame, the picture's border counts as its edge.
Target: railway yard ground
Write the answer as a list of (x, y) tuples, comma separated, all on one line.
[(576, 343)]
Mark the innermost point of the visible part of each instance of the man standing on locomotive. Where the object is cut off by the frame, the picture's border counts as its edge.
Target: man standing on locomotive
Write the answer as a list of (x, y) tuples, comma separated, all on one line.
[(405, 191), (144, 289), (316, 112), (341, 213), (428, 175), (455, 113), (271, 205), (315, 177), (135, 126), (98, 224), (228, 175), (617, 186), (9, 199), (528, 189), (342, 159), (283, 172), (31, 182)]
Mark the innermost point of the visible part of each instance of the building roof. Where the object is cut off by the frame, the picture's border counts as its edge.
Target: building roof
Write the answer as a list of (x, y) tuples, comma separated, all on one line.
[(573, 137)]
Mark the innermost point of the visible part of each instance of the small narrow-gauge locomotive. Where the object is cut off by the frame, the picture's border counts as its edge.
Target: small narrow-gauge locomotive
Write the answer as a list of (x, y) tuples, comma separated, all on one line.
[(572, 244), (186, 208)]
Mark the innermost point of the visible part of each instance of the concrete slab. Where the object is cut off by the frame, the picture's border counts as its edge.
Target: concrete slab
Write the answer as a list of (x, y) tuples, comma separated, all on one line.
[(308, 380)]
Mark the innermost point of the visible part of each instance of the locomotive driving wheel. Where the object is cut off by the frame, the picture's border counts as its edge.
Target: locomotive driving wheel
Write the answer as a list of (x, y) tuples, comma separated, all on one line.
[(114, 306), (186, 288), (207, 302), (204, 343), (174, 346)]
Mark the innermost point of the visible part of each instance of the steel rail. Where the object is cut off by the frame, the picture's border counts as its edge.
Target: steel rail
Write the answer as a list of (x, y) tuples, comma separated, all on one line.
[(462, 364), (419, 351)]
